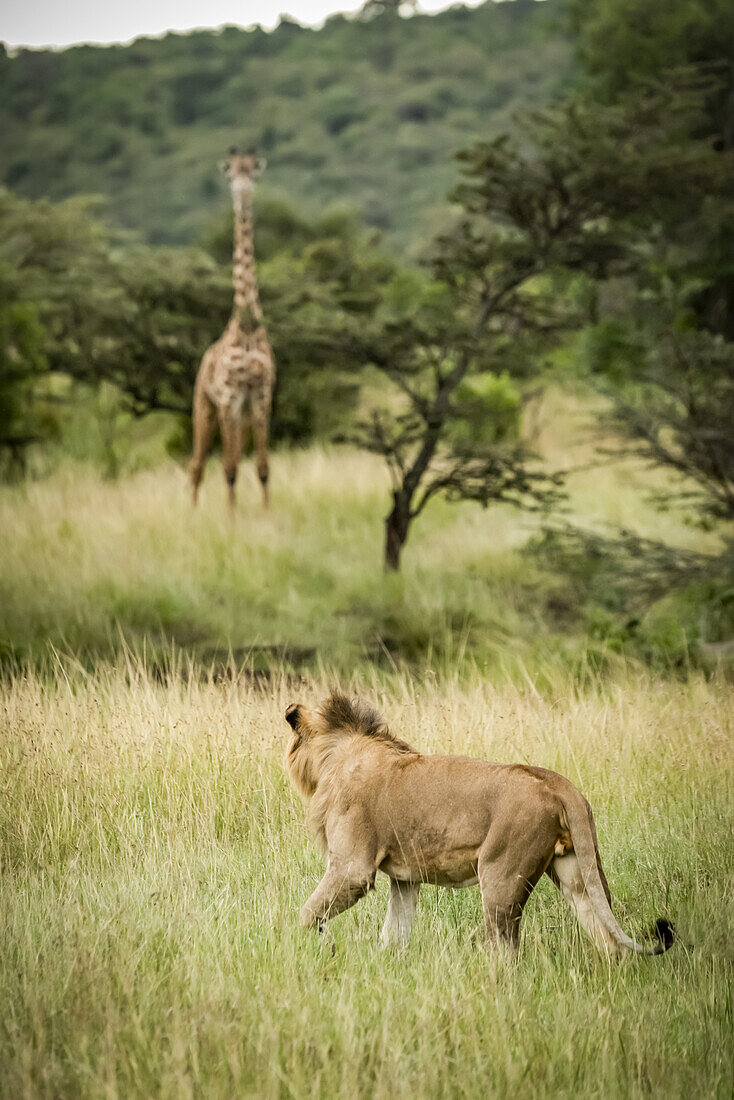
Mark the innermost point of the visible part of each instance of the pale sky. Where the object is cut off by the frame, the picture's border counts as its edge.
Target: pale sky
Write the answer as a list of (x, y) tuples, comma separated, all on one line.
[(63, 22)]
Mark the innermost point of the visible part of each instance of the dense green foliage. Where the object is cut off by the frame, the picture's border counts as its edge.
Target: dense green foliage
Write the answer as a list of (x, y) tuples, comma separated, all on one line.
[(624, 43), (661, 78), (367, 111), (21, 363), (95, 306)]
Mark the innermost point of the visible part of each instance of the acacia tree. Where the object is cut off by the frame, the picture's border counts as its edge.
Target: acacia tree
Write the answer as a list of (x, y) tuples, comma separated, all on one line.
[(476, 328), (452, 426), (582, 190)]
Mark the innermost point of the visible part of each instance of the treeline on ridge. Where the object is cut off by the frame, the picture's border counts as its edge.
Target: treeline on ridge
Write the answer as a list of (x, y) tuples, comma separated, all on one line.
[(372, 109)]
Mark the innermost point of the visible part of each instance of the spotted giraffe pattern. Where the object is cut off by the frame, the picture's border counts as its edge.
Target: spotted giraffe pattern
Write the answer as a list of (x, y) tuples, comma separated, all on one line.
[(234, 385)]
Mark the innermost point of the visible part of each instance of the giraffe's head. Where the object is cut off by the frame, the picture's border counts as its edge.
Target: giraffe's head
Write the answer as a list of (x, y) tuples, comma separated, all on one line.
[(242, 171)]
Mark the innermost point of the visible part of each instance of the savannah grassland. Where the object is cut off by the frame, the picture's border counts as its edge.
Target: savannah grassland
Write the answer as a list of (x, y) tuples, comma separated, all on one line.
[(153, 856)]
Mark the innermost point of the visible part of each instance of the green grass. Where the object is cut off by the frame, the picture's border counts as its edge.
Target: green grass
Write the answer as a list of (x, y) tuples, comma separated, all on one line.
[(90, 564), (153, 859)]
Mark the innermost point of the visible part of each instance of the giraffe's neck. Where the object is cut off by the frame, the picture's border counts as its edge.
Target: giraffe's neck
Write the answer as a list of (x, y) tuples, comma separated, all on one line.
[(246, 297)]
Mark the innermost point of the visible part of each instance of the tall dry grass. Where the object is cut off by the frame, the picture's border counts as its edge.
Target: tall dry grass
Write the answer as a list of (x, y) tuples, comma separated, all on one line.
[(153, 859)]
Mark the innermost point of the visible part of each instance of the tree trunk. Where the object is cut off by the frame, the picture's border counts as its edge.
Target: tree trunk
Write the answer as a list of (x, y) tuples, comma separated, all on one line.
[(396, 531)]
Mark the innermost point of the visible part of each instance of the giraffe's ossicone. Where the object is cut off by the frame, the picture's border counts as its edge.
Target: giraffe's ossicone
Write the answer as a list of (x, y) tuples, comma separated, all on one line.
[(234, 385)]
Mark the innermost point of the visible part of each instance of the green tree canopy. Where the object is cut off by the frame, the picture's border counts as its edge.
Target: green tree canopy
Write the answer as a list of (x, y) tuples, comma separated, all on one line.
[(625, 44), (81, 300)]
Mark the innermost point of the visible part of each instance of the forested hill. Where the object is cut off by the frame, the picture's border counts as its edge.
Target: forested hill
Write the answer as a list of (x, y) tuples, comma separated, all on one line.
[(362, 112)]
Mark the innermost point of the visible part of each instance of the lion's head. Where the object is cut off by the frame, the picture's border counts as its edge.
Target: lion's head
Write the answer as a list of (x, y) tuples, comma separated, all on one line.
[(317, 731)]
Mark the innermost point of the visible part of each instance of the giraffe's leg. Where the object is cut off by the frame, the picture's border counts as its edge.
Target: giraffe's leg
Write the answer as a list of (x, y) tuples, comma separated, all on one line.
[(245, 432), (260, 426), (230, 425), (205, 422)]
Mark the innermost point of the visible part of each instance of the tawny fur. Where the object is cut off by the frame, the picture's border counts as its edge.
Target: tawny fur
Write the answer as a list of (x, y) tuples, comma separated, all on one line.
[(377, 804)]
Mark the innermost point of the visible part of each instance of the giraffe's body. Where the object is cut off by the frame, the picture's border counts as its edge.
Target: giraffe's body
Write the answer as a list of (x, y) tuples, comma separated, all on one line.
[(234, 385)]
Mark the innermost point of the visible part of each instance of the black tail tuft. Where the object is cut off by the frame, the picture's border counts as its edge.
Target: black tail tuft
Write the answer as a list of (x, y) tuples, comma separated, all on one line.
[(664, 933)]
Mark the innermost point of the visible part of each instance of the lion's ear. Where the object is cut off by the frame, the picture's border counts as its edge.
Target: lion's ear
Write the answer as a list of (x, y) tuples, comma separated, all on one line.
[(291, 715)]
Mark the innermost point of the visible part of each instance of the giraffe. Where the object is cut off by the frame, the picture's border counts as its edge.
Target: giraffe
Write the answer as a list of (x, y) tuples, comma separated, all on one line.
[(234, 384)]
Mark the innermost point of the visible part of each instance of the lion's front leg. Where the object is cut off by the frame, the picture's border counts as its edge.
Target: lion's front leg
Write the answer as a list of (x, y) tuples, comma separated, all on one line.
[(342, 886)]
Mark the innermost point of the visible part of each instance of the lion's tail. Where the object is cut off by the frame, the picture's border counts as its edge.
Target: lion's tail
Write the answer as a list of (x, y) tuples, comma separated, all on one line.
[(583, 836)]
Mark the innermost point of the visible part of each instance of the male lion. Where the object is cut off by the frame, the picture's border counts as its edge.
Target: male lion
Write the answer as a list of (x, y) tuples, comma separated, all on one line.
[(376, 804)]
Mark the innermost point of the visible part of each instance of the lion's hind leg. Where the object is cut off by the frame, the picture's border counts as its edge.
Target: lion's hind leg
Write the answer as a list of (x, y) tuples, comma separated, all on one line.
[(400, 913), (565, 872), (507, 875)]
